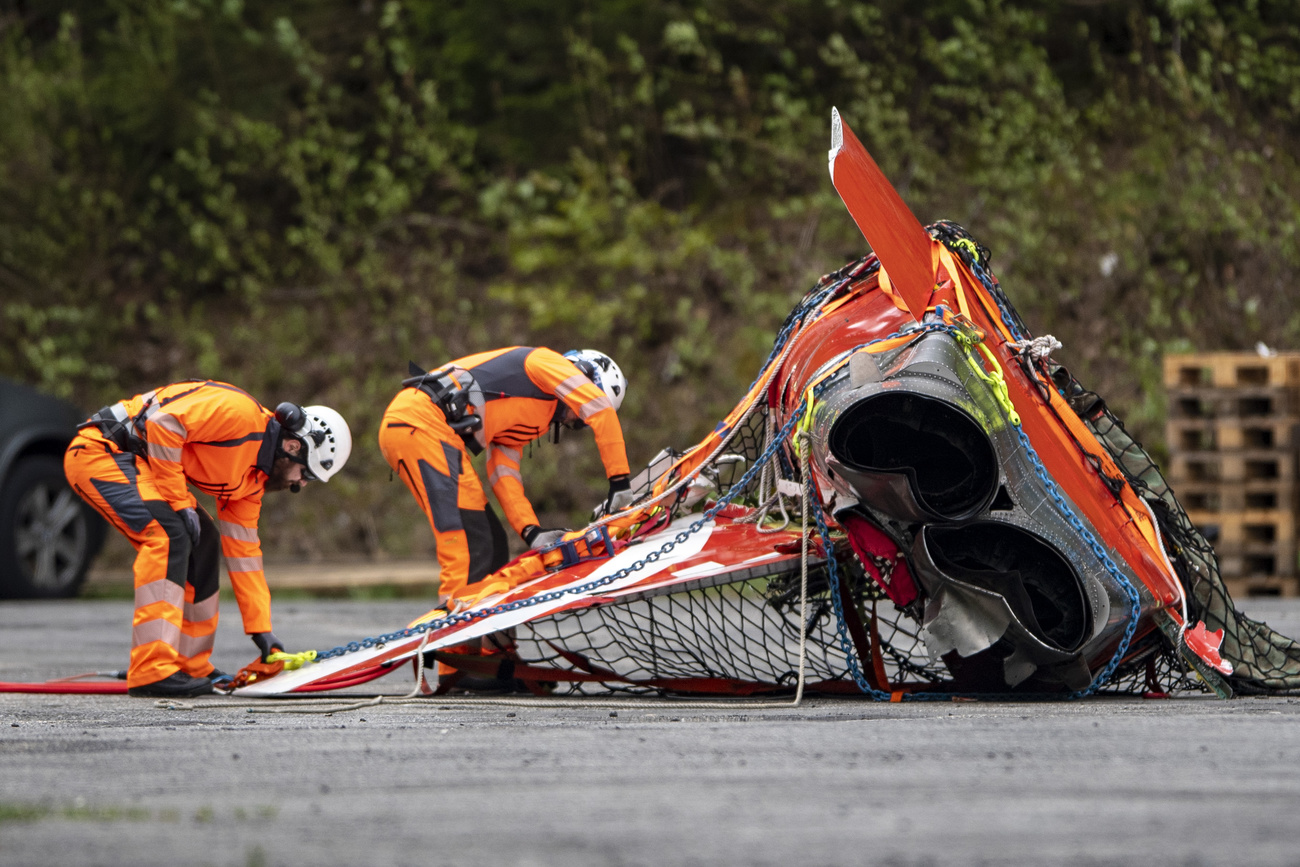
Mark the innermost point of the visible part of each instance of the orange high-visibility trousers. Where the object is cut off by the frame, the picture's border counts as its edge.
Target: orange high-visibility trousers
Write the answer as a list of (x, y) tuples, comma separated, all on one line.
[(176, 583), (432, 461)]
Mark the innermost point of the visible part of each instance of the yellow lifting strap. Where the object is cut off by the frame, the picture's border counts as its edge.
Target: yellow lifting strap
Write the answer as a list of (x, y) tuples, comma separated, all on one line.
[(972, 339), (805, 423), (969, 246), (293, 661), (996, 382)]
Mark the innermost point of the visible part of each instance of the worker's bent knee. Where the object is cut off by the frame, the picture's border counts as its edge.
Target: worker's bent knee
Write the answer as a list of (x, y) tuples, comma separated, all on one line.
[(178, 539)]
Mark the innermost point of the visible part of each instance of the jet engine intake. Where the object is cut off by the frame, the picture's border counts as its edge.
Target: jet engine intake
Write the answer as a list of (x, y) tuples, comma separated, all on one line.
[(914, 457), (1042, 590)]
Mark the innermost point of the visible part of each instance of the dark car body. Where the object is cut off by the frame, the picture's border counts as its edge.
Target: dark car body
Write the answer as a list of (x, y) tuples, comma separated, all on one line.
[(48, 535)]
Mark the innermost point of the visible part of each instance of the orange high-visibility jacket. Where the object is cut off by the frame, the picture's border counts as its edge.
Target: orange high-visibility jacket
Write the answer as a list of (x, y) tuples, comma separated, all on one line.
[(520, 387), (219, 439)]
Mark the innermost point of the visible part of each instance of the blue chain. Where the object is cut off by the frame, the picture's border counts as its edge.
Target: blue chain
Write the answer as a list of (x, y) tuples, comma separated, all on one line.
[(841, 625), (1135, 603), (652, 557)]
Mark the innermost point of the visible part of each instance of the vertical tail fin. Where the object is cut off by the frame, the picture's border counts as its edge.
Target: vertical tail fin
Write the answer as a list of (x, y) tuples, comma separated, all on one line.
[(889, 227)]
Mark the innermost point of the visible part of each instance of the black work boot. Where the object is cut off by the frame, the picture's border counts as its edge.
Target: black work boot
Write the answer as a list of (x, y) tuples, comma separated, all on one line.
[(178, 685)]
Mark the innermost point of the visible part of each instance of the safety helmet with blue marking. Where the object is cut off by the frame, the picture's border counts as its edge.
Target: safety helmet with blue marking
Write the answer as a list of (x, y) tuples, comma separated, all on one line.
[(600, 369)]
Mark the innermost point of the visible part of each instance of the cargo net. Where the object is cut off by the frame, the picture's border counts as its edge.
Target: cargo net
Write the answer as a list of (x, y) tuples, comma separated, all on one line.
[(738, 638), (1264, 662)]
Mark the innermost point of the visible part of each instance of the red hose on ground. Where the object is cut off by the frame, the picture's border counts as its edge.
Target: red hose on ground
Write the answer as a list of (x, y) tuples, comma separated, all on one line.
[(65, 687), (342, 682)]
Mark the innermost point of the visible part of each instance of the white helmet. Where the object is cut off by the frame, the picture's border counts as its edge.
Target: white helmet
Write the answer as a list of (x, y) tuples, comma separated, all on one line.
[(324, 434), (601, 369)]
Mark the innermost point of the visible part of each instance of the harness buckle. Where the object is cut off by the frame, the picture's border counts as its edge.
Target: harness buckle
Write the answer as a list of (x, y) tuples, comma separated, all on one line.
[(598, 536), (453, 400), (117, 426)]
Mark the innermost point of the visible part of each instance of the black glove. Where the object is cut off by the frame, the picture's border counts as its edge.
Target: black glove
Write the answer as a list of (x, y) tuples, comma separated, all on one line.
[(190, 518), (620, 496), (537, 538), (267, 643)]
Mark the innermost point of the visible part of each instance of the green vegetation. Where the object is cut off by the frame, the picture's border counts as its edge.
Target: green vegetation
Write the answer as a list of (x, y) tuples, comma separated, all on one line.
[(299, 195), (80, 811)]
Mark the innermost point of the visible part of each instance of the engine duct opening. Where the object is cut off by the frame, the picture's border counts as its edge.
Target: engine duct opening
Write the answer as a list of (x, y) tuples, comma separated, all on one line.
[(1038, 583), (946, 458)]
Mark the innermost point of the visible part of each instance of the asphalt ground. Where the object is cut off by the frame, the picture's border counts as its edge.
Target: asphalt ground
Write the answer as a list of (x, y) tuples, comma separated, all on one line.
[(88, 780)]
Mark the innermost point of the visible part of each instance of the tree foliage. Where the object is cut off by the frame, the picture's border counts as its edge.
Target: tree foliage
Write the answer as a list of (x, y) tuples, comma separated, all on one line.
[(299, 195)]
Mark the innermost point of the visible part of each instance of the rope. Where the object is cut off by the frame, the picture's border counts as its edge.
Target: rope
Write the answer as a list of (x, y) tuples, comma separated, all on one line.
[(769, 480), (1037, 349)]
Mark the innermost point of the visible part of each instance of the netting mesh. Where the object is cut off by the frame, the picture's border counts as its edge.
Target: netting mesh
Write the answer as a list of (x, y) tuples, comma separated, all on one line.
[(1264, 661), (741, 632), (740, 636)]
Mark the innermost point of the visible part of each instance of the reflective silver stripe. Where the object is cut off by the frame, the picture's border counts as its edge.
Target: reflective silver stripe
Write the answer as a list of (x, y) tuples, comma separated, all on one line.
[(155, 630), (149, 405), (592, 407), (464, 378), (476, 400), (572, 384), (514, 455), (119, 411), (239, 533), (161, 590), (193, 645), (206, 609), (169, 422), (164, 453), (244, 564), (504, 473)]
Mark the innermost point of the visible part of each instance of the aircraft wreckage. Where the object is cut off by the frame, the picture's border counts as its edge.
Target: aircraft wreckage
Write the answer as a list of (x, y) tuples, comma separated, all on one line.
[(913, 501)]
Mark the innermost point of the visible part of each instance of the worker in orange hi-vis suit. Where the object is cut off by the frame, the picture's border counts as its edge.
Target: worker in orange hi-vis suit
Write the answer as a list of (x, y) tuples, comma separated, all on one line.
[(133, 460), (499, 401)]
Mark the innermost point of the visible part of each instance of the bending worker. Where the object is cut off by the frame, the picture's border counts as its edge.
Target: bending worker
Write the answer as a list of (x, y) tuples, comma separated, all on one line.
[(132, 461), (499, 401)]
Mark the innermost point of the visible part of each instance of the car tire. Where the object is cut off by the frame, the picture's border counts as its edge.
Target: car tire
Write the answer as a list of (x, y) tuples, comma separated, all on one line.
[(48, 535)]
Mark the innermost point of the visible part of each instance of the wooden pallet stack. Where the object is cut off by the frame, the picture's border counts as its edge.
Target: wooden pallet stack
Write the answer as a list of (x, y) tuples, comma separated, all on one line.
[(1232, 433)]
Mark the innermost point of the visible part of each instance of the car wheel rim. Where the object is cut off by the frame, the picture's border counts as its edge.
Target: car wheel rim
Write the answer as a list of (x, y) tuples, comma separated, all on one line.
[(50, 536)]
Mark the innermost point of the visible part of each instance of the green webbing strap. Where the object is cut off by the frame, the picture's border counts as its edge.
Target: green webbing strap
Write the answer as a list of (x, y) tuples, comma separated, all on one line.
[(803, 432), (997, 383), (968, 245), (292, 661)]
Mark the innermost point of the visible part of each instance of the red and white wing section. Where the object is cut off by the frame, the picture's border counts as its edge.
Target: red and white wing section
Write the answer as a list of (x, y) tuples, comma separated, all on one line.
[(720, 551)]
